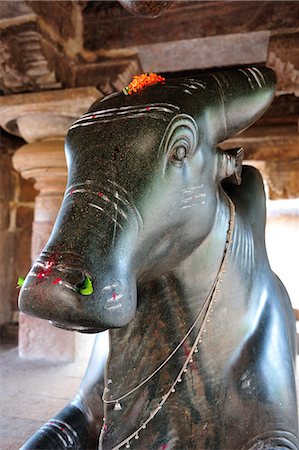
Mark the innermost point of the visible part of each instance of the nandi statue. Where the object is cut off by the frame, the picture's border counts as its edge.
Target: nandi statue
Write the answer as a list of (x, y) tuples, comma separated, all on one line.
[(160, 240)]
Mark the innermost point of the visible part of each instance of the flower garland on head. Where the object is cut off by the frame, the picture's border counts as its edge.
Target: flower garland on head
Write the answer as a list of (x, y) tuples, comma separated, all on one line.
[(140, 81)]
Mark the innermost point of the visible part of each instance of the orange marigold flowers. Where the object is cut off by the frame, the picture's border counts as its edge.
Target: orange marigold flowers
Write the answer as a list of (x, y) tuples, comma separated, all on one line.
[(140, 81)]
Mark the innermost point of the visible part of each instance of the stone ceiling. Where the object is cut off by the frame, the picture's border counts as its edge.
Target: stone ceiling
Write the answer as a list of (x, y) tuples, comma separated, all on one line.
[(58, 45), (61, 44)]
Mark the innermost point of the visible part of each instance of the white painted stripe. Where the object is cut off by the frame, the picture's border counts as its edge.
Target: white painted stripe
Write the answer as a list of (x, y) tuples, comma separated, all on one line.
[(248, 78), (96, 206), (260, 74), (258, 81), (110, 286), (148, 114), (71, 429), (188, 206), (113, 306)]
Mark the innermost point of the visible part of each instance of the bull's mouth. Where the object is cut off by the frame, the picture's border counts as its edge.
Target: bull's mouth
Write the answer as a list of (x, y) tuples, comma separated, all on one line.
[(80, 329)]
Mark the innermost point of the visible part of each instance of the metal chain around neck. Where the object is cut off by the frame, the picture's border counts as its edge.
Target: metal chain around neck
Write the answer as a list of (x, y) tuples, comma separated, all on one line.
[(208, 307)]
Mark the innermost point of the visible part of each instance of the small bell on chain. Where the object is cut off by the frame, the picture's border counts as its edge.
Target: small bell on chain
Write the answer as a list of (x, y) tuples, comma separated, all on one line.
[(117, 406)]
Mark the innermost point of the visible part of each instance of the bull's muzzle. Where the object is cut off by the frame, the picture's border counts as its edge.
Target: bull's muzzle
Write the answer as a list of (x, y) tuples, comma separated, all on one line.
[(57, 291)]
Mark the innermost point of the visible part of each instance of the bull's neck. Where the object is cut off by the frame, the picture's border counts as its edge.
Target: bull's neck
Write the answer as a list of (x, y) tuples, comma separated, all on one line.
[(168, 307)]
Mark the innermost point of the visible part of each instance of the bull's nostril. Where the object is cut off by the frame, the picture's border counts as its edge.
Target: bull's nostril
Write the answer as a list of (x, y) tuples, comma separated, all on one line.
[(85, 287)]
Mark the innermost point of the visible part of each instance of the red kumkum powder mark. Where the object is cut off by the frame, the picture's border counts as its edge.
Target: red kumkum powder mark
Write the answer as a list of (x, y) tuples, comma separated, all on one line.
[(105, 427), (56, 281), (114, 296), (48, 267), (186, 349), (41, 275), (93, 117), (100, 194), (72, 191), (164, 446), (147, 108)]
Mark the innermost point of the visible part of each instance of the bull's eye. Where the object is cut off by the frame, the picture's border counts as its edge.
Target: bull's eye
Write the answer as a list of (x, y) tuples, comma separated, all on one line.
[(180, 141), (179, 154)]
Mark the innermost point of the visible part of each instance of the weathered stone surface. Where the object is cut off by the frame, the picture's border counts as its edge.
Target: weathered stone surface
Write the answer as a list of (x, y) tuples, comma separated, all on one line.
[(203, 53), (104, 28), (14, 262), (4, 216), (56, 345), (9, 143), (283, 179), (268, 143), (106, 71), (24, 217), (54, 110), (60, 16), (27, 191), (10, 10), (16, 212), (45, 163), (146, 8), (22, 60), (284, 59), (40, 235), (97, 37), (7, 243), (22, 261), (284, 109), (6, 179)]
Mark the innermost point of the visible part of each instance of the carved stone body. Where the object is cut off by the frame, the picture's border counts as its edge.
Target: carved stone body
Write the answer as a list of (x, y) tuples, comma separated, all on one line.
[(202, 337)]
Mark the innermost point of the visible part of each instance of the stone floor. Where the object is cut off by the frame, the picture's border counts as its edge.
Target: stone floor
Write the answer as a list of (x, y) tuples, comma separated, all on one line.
[(31, 392)]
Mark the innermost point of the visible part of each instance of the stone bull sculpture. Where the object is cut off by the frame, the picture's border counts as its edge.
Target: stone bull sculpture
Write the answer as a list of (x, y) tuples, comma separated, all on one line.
[(157, 219)]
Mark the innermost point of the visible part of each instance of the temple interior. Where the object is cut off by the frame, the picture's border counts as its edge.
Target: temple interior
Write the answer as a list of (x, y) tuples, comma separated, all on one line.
[(57, 58)]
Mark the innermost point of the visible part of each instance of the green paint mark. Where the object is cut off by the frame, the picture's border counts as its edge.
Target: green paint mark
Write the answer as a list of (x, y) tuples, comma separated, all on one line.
[(87, 288), (20, 281)]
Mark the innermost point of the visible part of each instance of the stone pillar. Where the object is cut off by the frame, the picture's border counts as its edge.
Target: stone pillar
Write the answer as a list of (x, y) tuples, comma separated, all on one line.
[(16, 217), (43, 119), (283, 179), (43, 161)]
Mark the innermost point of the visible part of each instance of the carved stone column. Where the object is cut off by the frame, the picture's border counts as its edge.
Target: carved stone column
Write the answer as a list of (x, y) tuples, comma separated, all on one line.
[(283, 179), (43, 119)]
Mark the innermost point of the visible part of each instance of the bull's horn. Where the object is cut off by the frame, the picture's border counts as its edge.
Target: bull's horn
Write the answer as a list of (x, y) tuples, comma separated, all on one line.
[(243, 95)]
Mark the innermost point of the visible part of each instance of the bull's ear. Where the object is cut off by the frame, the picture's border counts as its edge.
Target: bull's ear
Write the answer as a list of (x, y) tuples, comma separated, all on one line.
[(230, 165)]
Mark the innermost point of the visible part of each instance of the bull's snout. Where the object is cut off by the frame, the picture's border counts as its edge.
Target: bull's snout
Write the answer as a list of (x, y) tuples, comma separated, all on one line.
[(52, 291), (58, 292)]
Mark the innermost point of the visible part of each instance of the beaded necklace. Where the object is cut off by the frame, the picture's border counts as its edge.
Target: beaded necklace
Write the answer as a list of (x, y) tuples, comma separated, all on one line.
[(208, 308)]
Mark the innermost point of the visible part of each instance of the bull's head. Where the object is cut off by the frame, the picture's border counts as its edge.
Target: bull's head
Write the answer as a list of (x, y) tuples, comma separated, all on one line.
[(142, 193)]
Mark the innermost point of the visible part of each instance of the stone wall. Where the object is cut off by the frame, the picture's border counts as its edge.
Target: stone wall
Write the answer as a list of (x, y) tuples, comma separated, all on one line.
[(16, 216)]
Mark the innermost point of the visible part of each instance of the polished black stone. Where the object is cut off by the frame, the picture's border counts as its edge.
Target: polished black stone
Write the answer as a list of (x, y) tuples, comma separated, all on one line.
[(145, 217)]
